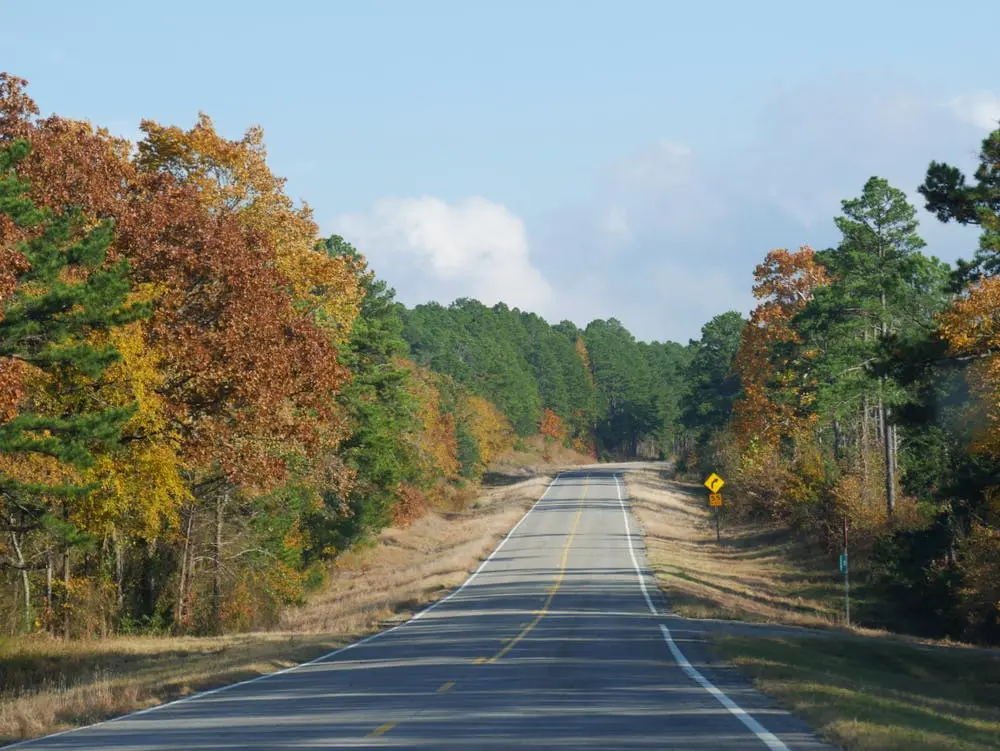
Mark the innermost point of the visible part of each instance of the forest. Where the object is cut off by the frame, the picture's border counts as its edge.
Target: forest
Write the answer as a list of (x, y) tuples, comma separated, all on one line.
[(203, 402)]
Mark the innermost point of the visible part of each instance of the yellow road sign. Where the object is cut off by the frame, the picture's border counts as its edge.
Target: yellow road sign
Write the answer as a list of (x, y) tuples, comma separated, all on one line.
[(715, 499), (714, 483)]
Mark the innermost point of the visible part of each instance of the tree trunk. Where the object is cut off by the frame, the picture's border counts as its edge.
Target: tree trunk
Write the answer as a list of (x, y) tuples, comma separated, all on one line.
[(888, 431), (865, 438), (119, 573), (50, 625), (217, 564), (25, 582), (836, 440), (888, 446), (179, 610), (66, 602)]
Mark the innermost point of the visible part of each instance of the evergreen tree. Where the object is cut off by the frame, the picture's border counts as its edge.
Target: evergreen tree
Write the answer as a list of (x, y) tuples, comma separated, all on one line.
[(885, 292), (713, 384), (382, 411), (625, 389), (59, 295), (950, 198)]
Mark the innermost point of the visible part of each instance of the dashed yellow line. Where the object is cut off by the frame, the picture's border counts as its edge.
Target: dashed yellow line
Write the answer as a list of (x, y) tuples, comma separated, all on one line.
[(382, 730), (446, 687), (552, 591)]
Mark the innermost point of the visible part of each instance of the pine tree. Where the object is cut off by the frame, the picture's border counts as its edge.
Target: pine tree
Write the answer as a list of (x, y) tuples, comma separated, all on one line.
[(884, 289), (383, 412), (58, 295)]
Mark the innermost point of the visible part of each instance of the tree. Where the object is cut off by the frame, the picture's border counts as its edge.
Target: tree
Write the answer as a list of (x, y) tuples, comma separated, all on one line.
[(58, 293), (950, 198), (774, 405), (714, 385), (382, 411), (879, 284), (627, 410)]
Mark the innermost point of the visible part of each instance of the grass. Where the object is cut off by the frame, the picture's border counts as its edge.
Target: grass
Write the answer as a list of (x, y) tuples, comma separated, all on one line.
[(861, 689), (758, 573), (877, 695), (48, 685)]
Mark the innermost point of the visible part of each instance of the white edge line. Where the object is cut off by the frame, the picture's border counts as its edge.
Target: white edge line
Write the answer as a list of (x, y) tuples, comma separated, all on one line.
[(321, 658), (765, 736)]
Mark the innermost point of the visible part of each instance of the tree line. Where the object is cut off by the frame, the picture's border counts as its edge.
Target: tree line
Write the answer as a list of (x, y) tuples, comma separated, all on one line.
[(201, 400), (862, 398), (609, 394)]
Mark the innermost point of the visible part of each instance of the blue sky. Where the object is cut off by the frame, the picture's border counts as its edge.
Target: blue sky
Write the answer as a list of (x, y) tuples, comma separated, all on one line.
[(581, 159)]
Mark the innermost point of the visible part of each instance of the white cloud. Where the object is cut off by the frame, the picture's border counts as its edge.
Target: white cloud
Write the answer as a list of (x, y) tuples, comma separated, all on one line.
[(980, 109), (434, 250)]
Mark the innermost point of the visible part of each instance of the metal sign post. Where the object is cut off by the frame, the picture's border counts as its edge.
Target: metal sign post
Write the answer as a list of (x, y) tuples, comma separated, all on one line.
[(714, 484)]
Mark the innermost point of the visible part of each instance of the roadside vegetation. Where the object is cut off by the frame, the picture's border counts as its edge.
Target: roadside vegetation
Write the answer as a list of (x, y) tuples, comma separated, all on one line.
[(862, 689), (877, 695), (49, 684), (857, 407), (760, 573)]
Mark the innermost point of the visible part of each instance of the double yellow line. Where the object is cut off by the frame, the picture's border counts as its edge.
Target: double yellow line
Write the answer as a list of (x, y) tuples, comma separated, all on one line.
[(555, 587)]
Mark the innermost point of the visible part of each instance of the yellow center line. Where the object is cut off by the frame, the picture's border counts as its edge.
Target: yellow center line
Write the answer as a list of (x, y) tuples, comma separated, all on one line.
[(555, 587), (382, 730), (446, 687)]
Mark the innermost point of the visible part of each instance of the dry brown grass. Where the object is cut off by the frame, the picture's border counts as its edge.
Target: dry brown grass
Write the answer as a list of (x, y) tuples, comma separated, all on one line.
[(48, 685), (757, 574), (408, 568)]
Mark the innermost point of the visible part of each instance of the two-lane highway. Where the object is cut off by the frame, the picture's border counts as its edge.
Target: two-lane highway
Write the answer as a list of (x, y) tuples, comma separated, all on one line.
[(560, 639)]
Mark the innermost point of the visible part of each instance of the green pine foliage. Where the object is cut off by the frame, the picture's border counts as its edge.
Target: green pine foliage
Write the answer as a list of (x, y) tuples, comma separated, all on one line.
[(713, 387), (64, 293), (382, 411)]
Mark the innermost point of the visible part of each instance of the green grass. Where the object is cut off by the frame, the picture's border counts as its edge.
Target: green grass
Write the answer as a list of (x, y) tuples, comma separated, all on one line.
[(873, 695)]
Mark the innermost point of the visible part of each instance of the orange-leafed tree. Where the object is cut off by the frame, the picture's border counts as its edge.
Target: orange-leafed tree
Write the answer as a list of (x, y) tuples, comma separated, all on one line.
[(435, 444), (232, 177), (552, 430), (773, 404), (491, 430), (237, 370), (551, 426), (971, 328)]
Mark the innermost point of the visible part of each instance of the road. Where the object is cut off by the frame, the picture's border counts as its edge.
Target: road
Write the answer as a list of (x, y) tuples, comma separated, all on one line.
[(559, 640)]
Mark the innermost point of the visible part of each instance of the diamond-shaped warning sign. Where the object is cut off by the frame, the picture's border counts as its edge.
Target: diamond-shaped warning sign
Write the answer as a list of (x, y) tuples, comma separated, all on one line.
[(714, 483)]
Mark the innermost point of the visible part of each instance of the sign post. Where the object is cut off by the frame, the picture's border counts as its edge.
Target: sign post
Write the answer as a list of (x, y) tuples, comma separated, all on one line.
[(714, 484)]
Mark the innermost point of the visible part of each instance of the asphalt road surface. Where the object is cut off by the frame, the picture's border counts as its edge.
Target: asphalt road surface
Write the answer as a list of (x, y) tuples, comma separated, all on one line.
[(559, 640)]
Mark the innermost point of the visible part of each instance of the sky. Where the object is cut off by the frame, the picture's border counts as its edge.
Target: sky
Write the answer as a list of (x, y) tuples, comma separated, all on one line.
[(577, 158)]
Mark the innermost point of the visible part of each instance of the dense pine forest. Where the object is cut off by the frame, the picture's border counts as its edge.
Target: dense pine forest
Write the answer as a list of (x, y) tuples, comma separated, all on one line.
[(203, 401)]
